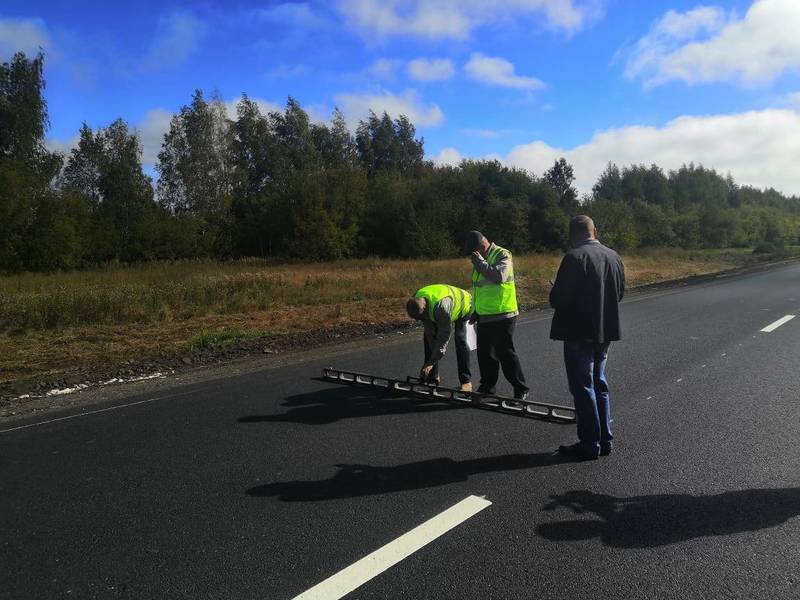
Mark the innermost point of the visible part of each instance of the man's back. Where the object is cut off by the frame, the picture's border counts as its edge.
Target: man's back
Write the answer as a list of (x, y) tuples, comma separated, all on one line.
[(586, 294)]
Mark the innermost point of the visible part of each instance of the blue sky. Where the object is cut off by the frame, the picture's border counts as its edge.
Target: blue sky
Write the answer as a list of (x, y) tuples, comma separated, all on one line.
[(524, 81)]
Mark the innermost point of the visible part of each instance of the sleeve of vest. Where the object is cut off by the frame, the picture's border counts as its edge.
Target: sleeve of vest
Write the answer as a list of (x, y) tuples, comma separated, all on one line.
[(430, 331), (442, 314), (498, 272)]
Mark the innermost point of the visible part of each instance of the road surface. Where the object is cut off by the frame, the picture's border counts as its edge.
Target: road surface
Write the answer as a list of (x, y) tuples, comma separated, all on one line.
[(266, 485)]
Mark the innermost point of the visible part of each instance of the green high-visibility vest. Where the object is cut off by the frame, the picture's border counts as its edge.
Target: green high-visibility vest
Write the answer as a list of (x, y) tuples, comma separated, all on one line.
[(433, 294), (494, 298)]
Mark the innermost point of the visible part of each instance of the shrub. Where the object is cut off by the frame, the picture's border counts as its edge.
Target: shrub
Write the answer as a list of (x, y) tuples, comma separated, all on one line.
[(765, 248)]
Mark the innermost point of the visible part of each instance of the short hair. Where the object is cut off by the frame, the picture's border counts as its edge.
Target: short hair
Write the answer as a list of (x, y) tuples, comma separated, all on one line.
[(581, 226), (415, 307), (472, 239)]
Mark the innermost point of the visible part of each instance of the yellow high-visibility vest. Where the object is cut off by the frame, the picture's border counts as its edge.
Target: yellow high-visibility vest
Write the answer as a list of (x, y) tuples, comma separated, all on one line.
[(494, 298), (433, 294)]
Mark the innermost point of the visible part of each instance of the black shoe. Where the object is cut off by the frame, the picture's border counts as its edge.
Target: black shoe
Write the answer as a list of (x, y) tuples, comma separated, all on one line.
[(486, 390), (605, 450), (577, 452), (521, 395)]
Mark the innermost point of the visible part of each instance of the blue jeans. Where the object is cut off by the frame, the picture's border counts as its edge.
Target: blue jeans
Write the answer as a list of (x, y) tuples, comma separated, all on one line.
[(586, 373)]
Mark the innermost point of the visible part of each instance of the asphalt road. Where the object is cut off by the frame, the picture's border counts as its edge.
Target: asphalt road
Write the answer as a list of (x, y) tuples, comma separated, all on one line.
[(262, 486)]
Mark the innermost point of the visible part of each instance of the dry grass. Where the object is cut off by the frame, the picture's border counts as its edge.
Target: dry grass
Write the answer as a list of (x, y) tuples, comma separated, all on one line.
[(59, 322)]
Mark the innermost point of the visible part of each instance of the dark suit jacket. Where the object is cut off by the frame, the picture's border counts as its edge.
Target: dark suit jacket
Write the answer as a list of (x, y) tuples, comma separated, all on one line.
[(586, 294)]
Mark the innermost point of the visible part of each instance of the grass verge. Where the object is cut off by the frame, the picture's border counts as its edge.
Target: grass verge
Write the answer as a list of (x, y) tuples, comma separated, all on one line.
[(61, 322), (207, 340)]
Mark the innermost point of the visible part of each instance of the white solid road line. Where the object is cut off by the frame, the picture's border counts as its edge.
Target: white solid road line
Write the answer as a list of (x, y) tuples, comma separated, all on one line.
[(778, 323), (374, 564)]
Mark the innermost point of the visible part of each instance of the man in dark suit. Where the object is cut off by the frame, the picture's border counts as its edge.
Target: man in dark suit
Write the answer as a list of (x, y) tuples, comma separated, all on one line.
[(586, 295)]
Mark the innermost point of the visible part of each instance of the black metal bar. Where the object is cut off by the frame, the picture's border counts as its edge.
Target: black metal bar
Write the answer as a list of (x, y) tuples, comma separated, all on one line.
[(553, 413)]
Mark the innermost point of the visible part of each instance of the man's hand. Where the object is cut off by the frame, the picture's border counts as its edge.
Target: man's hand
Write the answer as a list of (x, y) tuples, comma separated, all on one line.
[(477, 255), (425, 372)]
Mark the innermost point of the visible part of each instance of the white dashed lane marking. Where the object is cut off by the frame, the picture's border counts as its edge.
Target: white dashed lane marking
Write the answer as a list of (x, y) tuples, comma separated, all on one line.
[(357, 574), (773, 326)]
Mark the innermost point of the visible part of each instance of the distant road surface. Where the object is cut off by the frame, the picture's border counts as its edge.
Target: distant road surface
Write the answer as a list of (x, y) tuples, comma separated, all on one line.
[(272, 486)]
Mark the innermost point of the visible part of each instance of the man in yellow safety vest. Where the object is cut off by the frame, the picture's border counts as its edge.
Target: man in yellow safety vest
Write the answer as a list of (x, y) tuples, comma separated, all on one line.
[(442, 309), (495, 297)]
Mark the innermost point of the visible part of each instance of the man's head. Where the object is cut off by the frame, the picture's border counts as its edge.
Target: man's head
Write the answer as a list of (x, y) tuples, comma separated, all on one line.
[(475, 241), (581, 228), (415, 307)]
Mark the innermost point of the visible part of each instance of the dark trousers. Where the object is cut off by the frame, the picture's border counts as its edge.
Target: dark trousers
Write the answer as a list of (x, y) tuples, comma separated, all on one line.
[(462, 352), (586, 373), (495, 350)]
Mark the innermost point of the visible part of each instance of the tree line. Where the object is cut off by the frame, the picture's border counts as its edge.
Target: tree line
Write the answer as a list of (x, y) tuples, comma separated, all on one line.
[(279, 185)]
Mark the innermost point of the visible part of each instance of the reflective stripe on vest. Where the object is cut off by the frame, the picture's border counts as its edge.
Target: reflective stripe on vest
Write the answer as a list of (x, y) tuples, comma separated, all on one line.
[(433, 294), (494, 298)]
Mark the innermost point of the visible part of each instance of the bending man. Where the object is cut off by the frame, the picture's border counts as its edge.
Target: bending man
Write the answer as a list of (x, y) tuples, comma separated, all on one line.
[(442, 308)]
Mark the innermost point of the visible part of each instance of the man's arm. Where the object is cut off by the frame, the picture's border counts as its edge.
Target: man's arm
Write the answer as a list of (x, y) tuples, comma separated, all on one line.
[(565, 287), (441, 314), (496, 273), (430, 331), (620, 279)]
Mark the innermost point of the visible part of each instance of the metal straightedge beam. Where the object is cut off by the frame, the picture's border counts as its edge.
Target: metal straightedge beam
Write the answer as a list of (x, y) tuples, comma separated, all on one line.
[(413, 386)]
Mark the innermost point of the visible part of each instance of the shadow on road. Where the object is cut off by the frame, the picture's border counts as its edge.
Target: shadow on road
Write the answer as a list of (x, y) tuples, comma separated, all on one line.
[(332, 404), (650, 521), (363, 480)]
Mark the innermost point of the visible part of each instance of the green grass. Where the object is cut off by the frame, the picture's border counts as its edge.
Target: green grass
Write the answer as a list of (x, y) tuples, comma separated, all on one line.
[(224, 337), (55, 323), (163, 292), (166, 292)]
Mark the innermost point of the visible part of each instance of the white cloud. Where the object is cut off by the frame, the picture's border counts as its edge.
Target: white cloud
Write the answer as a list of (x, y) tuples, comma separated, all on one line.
[(318, 112), (296, 13), (382, 18), (23, 35), (707, 45), (383, 68), (447, 156), (63, 146), (284, 70), (179, 36), (457, 19), (151, 131), (357, 106), (431, 69), (482, 133), (497, 71), (759, 148), (685, 26)]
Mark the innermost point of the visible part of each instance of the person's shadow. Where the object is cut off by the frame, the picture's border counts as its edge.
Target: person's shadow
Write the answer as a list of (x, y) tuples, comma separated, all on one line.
[(362, 480), (344, 402), (649, 521)]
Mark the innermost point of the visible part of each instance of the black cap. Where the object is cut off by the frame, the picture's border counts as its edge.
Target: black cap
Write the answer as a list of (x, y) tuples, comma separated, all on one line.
[(471, 241)]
